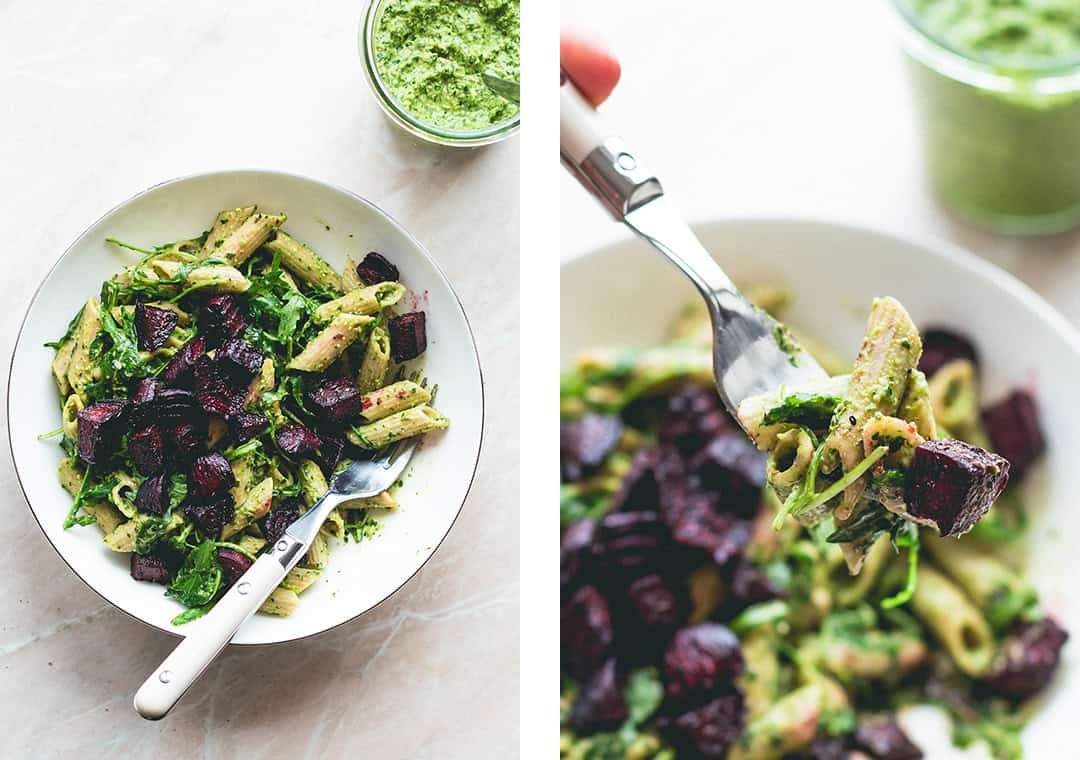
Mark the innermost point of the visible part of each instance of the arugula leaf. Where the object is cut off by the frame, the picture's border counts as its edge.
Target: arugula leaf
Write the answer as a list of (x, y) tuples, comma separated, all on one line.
[(905, 534), (191, 614), (199, 580), (643, 695), (69, 332), (810, 410)]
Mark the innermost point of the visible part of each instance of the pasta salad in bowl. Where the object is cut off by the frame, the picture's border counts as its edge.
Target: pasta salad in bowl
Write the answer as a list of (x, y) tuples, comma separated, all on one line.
[(730, 592), (210, 386)]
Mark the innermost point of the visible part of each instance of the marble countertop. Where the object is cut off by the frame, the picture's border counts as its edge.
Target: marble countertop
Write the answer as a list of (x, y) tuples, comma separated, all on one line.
[(105, 99), (784, 108)]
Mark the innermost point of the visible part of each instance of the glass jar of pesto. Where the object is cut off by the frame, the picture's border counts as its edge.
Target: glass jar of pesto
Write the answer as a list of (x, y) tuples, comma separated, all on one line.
[(997, 85), (425, 61)]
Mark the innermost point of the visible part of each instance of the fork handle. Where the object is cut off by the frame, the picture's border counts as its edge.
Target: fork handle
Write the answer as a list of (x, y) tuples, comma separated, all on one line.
[(167, 684), (600, 161)]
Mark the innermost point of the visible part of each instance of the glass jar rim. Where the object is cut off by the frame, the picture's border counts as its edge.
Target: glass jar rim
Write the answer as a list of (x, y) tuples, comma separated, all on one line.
[(1004, 74), (401, 115)]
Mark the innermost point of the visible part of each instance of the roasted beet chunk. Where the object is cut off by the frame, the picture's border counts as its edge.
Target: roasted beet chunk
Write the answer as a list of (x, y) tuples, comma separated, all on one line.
[(100, 427), (640, 489), (697, 522), (585, 443), (599, 703), (700, 659), (187, 439), (829, 748), (147, 450), (629, 544), (296, 440), (953, 484), (213, 392), (750, 585), (734, 469), (145, 391), (708, 731), (586, 631), (1028, 659), (145, 567), (210, 515), (277, 520), (210, 474), (153, 326), (174, 405), (693, 418), (655, 605), (330, 452), (336, 401), (221, 318), (883, 738), (939, 347), (233, 565), (181, 367), (1013, 425), (248, 425), (153, 495), (376, 268), (575, 552), (408, 336), (239, 360)]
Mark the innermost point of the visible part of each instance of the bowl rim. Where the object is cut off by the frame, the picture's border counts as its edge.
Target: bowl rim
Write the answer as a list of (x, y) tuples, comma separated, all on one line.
[(938, 246), (289, 176)]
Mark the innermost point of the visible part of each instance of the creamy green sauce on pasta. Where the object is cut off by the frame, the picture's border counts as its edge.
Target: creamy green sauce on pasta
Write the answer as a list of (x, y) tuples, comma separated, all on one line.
[(431, 55)]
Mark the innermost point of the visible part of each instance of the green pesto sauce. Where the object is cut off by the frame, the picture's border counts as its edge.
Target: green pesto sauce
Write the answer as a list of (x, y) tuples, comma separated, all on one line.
[(1006, 159), (1004, 29), (431, 54)]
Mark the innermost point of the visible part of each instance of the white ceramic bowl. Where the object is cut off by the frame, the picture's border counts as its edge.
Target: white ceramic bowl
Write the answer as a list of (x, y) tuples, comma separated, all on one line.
[(334, 222), (627, 295)]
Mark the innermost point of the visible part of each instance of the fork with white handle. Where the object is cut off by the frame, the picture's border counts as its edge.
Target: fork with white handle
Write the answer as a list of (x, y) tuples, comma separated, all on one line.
[(167, 684)]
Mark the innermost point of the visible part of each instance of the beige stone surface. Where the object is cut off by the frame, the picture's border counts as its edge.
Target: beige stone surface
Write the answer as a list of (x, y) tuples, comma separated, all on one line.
[(104, 99)]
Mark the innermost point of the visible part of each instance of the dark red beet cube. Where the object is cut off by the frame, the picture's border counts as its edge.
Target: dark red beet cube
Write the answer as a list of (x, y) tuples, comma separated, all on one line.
[(173, 405), (181, 367), (233, 565), (953, 484), (336, 401), (188, 439), (210, 474), (575, 553), (883, 738), (100, 427), (943, 346), (376, 268), (153, 495), (697, 521), (640, 489), (655, 604), (273, 526), (147, 450), (239, 360), (408, 336), (1014, 427), (586, 632), (210, 515), (829, 748), (213, 393), (153, 326), (221, 318), (629, 544), (145, 567), (330, 453), (732, 467), (694, 416), (296, 440), (700, 659), (750, 585), (145, 391), (1028, 658), (585, 443), (708, 731), (248, 425), (599, 703)]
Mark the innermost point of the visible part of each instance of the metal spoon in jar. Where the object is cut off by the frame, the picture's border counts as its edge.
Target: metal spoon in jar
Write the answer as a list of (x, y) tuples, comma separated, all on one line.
[(751, 352), (506, 89)]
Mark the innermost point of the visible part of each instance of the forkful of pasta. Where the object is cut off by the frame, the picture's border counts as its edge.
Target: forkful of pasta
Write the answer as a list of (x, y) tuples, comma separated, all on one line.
[(852, 457)]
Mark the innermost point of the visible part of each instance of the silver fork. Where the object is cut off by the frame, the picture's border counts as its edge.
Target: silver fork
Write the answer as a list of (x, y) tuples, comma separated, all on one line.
[(748, 358), (168, 683)]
